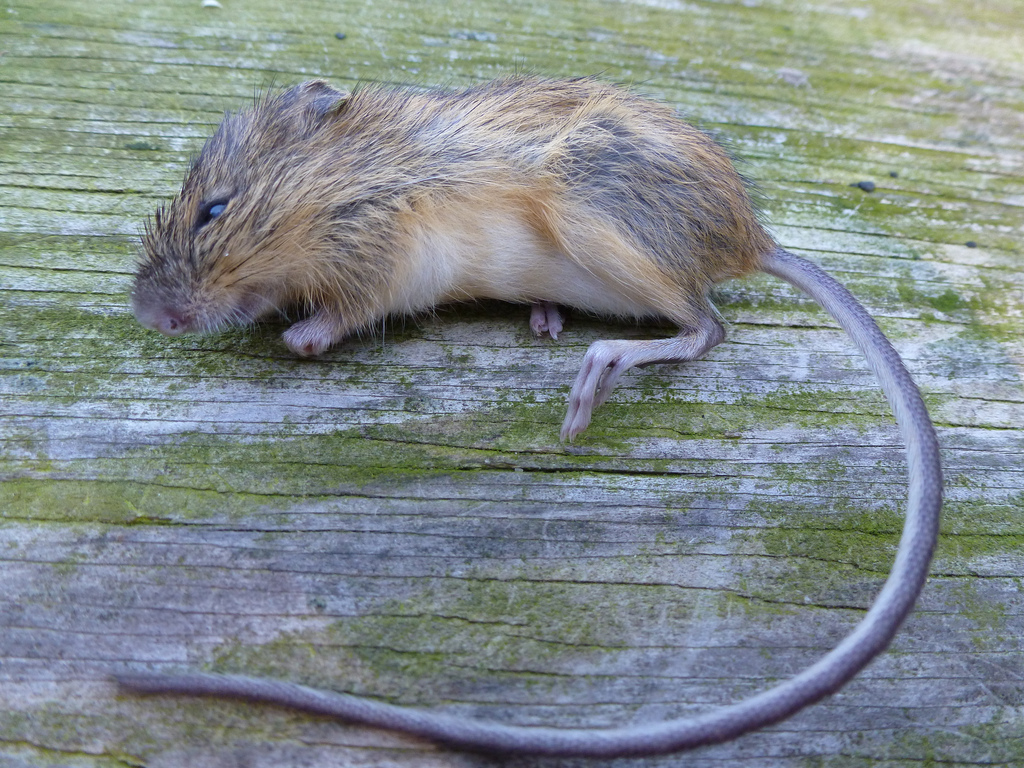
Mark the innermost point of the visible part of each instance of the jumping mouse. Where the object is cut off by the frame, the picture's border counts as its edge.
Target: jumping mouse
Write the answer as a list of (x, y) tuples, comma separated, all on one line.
[(356, 206)]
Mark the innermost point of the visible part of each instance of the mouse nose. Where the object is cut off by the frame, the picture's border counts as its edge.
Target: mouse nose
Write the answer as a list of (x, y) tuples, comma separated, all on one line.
[(160, 313), (170, 323)]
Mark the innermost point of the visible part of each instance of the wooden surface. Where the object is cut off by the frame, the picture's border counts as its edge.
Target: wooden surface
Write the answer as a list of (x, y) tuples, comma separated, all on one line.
[(398, 518)]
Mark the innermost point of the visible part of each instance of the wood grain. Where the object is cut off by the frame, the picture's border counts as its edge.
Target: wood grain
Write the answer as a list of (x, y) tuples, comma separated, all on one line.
[(398, 519)]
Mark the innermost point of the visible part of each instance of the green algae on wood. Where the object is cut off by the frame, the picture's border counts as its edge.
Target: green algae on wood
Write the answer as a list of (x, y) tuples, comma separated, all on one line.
[(404, 502)]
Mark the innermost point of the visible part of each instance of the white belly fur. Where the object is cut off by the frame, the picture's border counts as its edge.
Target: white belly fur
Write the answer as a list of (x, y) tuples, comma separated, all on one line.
[(499, 257)]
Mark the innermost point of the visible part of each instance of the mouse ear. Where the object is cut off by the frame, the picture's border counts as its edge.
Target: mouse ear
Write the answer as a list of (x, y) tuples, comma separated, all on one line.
[(320, 98)]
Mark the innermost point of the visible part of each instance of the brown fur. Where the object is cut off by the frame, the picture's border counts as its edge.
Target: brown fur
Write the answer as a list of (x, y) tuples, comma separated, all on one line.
[(335, 202)]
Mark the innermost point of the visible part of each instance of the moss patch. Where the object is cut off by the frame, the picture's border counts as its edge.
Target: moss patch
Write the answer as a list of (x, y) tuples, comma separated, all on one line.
[(114, 502), (824, 559), (834, 558), (973, 530), (451, 633), (1000, 741)]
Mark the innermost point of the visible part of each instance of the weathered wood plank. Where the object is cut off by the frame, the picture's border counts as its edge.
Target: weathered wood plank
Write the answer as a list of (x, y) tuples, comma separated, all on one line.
[(398, 518)]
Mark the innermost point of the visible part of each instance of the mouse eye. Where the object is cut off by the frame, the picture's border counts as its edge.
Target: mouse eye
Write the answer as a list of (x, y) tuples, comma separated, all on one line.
[(209, 211)]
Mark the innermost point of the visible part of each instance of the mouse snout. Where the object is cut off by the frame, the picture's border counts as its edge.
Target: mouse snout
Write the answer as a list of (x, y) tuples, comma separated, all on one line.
[(171, 324), (168, 321)]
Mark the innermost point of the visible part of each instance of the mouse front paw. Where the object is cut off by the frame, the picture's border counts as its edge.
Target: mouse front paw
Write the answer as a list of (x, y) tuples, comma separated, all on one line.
[(315, 335)]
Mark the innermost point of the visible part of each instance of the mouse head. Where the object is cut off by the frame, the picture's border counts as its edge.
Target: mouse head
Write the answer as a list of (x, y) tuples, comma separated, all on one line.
[(229, 248)]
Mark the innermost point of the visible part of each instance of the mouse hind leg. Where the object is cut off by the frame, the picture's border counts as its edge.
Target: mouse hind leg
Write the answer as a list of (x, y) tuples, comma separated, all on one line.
[(606, 361), (620, 276)]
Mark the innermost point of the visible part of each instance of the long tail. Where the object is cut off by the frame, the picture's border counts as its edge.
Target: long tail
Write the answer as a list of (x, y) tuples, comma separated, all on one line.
[(869, 638)]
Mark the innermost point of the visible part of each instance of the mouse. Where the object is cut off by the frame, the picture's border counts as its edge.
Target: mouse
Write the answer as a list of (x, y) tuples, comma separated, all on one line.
[(349, 207)]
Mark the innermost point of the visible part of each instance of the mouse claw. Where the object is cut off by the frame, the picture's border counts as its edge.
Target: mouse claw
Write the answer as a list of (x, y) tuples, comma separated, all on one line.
[(545, 317)]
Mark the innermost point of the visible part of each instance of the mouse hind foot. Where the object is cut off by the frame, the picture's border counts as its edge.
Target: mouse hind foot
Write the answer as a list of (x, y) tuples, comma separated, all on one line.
[(546, 317), (606, 361)]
